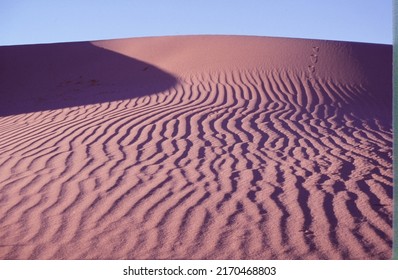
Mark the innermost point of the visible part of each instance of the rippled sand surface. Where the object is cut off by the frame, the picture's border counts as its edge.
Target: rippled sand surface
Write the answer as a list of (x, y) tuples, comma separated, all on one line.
[(196, 147)]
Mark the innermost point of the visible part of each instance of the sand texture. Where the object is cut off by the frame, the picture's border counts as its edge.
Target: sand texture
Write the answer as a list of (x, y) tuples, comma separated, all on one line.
[(196, 147)]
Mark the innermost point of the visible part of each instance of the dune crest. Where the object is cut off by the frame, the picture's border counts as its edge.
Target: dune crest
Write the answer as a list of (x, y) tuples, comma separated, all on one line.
[(196, 147)]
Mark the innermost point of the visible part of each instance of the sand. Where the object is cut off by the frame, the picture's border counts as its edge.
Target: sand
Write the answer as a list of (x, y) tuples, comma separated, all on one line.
[(196, 147)]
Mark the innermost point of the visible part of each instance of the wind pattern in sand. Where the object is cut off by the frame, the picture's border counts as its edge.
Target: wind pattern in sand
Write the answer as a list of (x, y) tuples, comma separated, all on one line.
[(235, 164)]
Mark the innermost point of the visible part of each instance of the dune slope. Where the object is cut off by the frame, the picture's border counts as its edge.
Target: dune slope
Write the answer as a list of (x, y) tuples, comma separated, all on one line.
[(196, 147)]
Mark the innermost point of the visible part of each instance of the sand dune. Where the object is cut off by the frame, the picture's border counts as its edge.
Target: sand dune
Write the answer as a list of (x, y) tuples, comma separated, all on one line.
[(196, 147)]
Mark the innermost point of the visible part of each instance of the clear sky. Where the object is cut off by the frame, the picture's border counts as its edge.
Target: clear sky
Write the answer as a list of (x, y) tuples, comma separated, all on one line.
[(46, 21)]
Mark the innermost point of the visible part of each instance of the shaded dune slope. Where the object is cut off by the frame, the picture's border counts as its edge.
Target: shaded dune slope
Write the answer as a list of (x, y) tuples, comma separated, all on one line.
[(54, 76), (196, 147)]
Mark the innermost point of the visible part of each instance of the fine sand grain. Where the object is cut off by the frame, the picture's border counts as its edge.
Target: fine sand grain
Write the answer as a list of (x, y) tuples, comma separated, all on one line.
[(196, 147)]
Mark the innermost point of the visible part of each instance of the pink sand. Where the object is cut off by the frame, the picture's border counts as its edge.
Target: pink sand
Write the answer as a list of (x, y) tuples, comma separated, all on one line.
[(196, 147)]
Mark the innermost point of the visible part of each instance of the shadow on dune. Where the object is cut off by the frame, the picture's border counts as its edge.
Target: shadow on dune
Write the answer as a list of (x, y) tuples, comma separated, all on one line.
[(376, 62), (55, 76)]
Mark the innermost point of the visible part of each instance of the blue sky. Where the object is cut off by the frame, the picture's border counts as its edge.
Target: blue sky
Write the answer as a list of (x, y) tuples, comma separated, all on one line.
[(47, 21)]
